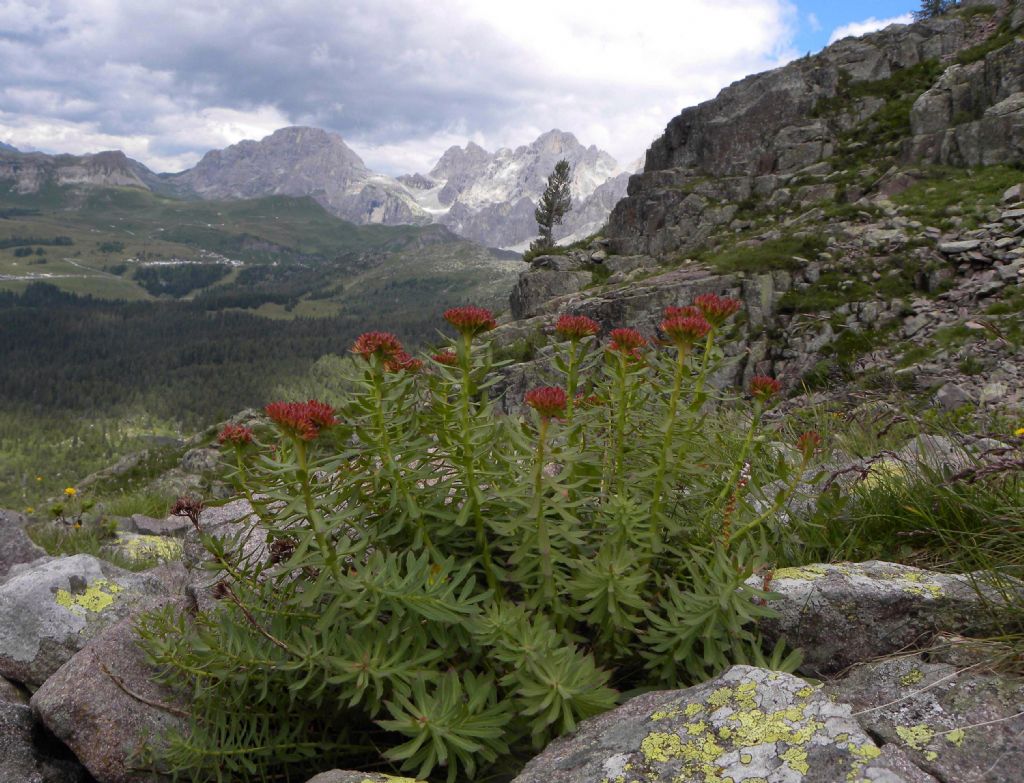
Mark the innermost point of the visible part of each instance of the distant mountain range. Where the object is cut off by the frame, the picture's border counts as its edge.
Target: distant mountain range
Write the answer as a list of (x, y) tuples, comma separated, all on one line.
[(7, 147), (484, 196)]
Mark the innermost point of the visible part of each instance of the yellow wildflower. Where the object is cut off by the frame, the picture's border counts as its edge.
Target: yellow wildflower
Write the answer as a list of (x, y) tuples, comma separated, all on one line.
[(29, 510), (1019, 432), (70, 492), (39, 478)]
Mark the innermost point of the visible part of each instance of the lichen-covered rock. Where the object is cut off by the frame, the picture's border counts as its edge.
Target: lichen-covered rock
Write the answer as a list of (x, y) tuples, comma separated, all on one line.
[(49, 612), (847, 613), (348, 776), (17, 546), (748, 725), (140, 549), (102, 705), (22, 761), (957, 724)]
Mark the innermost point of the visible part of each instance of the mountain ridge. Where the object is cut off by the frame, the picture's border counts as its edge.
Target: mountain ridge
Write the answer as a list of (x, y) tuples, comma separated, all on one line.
[(483, 196)]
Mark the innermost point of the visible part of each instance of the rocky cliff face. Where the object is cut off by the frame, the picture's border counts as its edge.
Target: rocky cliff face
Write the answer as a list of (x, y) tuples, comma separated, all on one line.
[(302, 162), (28, 172), (767, 130), (821, 195)]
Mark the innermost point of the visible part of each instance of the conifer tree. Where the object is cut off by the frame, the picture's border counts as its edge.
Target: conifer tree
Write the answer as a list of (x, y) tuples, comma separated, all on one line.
[(554, 204), (930, 8)]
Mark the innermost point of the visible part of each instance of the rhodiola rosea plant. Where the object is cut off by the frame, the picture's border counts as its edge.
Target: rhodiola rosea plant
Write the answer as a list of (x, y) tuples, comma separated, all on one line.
[(443, 587)]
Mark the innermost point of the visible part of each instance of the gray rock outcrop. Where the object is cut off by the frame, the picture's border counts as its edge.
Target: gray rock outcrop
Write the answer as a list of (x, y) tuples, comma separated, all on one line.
[(764, 131), (957, 723), (846, 613), (748, 724), (17, 546), (103, 704), (51, 610)]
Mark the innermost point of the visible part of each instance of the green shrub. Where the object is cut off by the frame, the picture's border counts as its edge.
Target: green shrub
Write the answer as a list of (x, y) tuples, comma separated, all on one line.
[(447, 587)]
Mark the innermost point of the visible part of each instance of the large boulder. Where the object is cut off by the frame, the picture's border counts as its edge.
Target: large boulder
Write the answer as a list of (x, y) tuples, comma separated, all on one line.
[(28, 757), (749, 724), (538, 286), (846, 613), (17, 546), (954, 722), (105, 705), (50, 611)]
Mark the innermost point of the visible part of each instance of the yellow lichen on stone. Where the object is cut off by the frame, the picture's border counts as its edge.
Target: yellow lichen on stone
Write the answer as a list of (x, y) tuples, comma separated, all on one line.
[(662, 747), (95, 598), (693, 709), (913, 677), (141, 547), (805, 693), (931, 755), (390, 779), (956, 737), (916, 737), (919, 586), (664, 715), (796, 759), (802, 573), (746, 758), (721, 697)]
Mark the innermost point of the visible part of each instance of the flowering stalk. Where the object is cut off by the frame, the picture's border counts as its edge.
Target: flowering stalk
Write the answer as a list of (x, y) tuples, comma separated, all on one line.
[(312, 514), (665, 454), (469, 322), (302, 422), (549, 402), (807, 443), (377, 377), (682, 331), (762, 388)]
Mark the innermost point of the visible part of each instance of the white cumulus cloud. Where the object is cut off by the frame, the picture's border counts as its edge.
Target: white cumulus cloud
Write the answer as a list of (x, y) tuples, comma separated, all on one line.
[(869, 25), (400, 80)]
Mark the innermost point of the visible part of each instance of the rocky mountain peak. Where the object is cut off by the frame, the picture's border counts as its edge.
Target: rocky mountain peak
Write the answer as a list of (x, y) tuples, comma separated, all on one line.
[(7, 148), (457, 160)]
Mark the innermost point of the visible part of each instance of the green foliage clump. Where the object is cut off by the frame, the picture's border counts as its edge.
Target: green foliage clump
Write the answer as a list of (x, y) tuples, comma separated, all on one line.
[(447, 587), (766, 256)]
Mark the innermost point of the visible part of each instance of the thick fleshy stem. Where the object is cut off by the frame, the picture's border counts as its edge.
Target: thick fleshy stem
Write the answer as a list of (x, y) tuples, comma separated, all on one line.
[(705, 363), (780, 500), (384, 439), (618, 436), (312, 514), (666, 451), (742, 458), (468, 457), (543, 538)]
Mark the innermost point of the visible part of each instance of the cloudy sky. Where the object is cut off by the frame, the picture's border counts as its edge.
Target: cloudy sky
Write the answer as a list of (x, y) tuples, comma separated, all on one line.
[(401, 80)]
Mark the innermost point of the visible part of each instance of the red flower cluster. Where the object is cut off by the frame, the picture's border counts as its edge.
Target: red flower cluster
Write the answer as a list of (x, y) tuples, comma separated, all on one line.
[(587, 400), (447, 358), (235, 434), (717, 309), (302, 420), (402, 362), (763, 387), (548, 401), (808, 443), (576, 327), (470, 321), (370, 344), (628, 342), (683, 331), (683, 312)]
